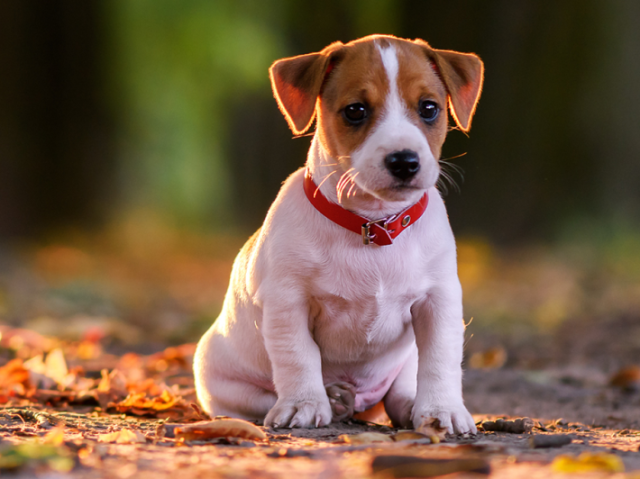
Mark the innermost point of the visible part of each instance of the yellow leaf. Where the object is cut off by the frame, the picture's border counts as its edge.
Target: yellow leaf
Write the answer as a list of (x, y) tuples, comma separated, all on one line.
[(55, 437), (123, 436), (588, 462), (365, 438), (431, 428), (56, 366)]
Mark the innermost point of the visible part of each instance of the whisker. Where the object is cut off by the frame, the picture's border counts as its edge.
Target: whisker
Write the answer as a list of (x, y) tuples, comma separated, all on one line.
[(442, 186), (453, 157), (323, 180), (453, 167), (342, 182), (447, 178), (353, 185)]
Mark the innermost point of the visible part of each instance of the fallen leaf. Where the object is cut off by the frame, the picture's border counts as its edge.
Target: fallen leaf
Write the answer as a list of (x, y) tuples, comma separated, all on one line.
[(112, 388), (14, 373), (411, 466), (24, 342), (409, 436), (51, 371), (220, 428), (56, 366), (431, 428), (55, 437), (588, 462), (364, 438), (493, 358), (33, 454), (123, 436), (140, 401), (627, 378)]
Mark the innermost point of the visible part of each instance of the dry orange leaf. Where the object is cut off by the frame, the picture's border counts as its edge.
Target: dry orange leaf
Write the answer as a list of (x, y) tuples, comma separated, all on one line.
[(13, 373), (140, 401), (493, 358), (113, 382), (220, 428), (627, 378), (123, 436)]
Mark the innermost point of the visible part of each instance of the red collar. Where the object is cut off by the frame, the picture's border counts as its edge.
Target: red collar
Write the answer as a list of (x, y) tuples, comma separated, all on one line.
[(381, 232)]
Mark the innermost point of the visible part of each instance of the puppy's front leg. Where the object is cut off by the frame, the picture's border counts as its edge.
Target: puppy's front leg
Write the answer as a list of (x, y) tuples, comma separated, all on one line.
[(296, 366), (439, 330)]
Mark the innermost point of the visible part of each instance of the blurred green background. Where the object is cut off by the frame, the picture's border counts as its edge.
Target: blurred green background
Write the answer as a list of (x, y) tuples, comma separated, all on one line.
[(140, 145)]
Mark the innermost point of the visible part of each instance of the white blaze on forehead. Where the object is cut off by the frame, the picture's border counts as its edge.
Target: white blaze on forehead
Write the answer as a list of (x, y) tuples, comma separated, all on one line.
[(394, 105)]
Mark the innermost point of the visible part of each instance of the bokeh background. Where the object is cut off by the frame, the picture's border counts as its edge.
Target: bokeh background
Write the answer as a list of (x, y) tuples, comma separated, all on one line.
[(140, 145)]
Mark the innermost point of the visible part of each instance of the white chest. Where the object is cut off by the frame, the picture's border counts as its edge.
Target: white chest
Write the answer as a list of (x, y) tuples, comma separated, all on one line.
[(361, 301)]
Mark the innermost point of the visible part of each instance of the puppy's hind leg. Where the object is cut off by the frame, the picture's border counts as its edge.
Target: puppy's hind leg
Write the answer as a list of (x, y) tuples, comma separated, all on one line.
[(398, 402), (239, 399)]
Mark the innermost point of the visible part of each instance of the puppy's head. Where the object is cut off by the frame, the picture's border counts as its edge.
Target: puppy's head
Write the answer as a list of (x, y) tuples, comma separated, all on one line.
[(381, 107)]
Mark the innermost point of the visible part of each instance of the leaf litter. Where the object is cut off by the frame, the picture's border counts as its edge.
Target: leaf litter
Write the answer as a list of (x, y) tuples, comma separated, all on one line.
[(67, 408)]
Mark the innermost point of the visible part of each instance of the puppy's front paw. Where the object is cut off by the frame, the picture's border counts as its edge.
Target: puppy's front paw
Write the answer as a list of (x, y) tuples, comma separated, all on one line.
[(299, 413), (455, 419)]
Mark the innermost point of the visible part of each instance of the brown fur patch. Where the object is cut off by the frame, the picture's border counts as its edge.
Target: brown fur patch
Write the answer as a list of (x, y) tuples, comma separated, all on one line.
[(417, 81), (359, 77)]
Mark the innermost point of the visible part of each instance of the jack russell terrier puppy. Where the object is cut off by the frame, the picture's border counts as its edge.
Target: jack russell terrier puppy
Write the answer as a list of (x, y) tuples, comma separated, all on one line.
[(349, 294)]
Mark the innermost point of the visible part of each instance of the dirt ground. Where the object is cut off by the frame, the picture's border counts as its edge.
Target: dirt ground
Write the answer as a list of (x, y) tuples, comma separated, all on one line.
[(551, 329), (597, 418)]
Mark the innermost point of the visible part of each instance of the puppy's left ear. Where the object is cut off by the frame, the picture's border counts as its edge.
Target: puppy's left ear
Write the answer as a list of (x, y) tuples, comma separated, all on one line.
[(296, 84), (462, 74)]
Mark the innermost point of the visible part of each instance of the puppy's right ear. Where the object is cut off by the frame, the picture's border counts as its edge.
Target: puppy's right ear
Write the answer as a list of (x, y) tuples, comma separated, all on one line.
[(297, 82)]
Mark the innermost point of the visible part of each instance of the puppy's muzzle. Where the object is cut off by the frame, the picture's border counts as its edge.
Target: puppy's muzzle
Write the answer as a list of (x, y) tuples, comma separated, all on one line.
[(402, 164)]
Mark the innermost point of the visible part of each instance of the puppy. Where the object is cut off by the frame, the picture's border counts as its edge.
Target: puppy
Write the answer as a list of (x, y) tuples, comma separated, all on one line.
[(351, 283)]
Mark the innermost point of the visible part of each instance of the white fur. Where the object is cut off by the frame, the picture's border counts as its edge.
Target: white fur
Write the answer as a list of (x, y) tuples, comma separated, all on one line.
[(309, 304)]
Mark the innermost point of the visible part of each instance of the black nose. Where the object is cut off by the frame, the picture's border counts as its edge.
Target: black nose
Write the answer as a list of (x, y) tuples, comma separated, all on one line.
[(402, 164)]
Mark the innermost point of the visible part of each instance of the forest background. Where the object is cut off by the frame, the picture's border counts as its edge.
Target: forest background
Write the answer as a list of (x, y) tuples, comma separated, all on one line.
[(140, 146)]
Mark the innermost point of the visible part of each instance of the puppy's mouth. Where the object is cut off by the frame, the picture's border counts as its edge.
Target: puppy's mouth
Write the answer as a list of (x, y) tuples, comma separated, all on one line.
[(405, 187), (400, 191)]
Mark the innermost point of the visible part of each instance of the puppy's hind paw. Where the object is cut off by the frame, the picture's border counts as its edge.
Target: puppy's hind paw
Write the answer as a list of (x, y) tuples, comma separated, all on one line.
[(342, 397)]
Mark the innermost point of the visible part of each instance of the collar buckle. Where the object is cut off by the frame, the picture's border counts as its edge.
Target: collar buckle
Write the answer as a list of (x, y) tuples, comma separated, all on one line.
[(367, 236)]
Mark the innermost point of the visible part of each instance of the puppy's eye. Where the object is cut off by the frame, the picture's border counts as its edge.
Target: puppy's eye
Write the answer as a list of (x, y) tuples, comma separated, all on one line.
[(428, 110), (355, 113)]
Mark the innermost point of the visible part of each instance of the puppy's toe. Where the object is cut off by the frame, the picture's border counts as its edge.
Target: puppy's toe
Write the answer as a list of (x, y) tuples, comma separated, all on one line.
[(342, 397), (279, 416), (311, 414)]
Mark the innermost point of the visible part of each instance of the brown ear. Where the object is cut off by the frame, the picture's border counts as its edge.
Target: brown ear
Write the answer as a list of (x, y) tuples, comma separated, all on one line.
[(462, 74), (296, 84)]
